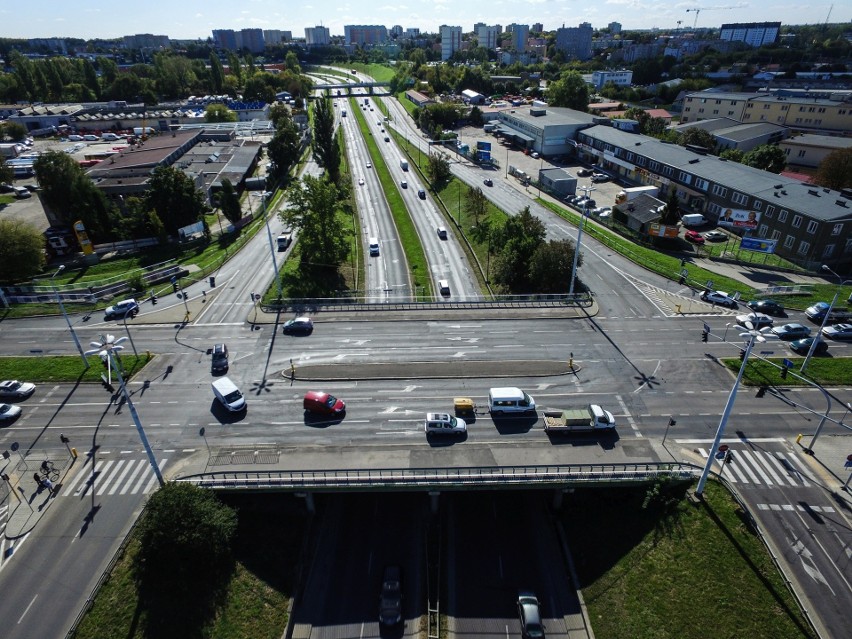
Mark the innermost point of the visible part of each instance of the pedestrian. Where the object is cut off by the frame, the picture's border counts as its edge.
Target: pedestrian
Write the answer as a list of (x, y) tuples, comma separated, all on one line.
[(37, 479), (47, 484)]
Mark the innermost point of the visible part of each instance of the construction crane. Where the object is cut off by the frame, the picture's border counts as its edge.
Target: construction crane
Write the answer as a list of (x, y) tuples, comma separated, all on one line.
[(698, 10)]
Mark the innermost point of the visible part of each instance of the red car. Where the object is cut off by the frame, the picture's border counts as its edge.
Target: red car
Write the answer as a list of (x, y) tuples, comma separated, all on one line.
[(694, 236), (323, 403)]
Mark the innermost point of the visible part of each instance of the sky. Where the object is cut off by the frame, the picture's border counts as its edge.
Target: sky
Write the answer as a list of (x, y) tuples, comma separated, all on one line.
[(89, 19)]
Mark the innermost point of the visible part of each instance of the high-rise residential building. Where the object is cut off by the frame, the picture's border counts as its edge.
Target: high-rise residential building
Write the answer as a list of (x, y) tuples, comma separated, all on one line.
[(450, 40), (317, 36), (276, 36), (252, 39), (146, 41), (614, 27), (487, 36), (365, 34), (575, 42), (396, 31), (538, 27), (477, 25), (520, 35), (412, 32), (754, 34), (50, 44), (225, 39)]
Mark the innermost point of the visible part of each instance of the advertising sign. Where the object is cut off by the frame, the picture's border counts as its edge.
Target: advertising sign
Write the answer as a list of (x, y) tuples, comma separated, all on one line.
[(739, 219), (483, 146), (758, 245), (83, 238), (661, 230)]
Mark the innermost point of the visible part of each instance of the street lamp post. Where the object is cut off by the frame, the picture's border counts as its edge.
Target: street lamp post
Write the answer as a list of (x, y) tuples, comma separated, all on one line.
[(106, 348), (818, 337), (127, 330), (586, 190), (271, 245), (65, 314)]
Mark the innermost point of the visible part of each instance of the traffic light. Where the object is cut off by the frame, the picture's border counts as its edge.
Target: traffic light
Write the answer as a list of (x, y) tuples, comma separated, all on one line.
[(761, 391), (704, 335), (742, 355), (784, 372), (175, 286), (682, 280)]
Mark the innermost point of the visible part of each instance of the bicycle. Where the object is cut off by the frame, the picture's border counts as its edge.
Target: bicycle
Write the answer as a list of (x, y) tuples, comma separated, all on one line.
[(49, 470)]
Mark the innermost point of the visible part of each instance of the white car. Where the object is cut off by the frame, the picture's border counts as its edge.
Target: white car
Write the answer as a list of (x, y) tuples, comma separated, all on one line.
[(13, 389), (444, 424), (757, 320), (719, 297), (361, 181), (125, 308), (8, 412)]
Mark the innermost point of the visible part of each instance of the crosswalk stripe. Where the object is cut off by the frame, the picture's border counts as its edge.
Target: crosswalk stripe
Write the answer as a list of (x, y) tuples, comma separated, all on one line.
[(763, 461), (118, 481), (153, 481), (777, 462), (140, 464), (108, 479), (803, 468), (747, 468), (70, 487)]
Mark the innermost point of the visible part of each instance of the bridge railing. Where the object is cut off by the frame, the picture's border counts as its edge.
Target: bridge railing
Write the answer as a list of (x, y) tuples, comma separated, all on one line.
[(442, 478)]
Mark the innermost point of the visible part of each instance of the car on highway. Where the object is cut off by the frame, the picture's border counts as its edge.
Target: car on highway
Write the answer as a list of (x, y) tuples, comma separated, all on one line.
[(9, 412), (298, 326), (803, 346), (403, 184), (715, 236), (838, 331), (488, 182), (421, 194), (757, 320), (770, 307), (791, 331), (390, 597), (529, 613), (361, 181), (719, 297), (387, 139), (444, 424), (693, 236), (442, 232), (13, 389), (124, 308), (369, 165), (323, 403), (444, 287)]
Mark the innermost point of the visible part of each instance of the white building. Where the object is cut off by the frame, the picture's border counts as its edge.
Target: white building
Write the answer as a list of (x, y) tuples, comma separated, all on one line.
[(487, 36), (317, 36), (618, 78), (450, 41)]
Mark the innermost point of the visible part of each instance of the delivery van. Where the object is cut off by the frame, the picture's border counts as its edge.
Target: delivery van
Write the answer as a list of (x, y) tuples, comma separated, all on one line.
[(228, 394), (509, 400), (693, 219)]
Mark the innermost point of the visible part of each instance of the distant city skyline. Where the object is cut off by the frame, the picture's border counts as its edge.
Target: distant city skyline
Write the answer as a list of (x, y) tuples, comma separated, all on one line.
[(92, 19)]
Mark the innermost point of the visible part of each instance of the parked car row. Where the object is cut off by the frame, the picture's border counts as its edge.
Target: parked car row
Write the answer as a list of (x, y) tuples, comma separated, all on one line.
[(14, 390)]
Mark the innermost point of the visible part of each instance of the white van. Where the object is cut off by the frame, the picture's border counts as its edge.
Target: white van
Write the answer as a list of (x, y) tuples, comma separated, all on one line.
[(21, 192), (509, 400), (110, 137), (227, 392)]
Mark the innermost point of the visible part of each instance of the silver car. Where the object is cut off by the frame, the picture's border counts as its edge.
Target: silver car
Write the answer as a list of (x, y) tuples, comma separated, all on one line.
[(444, 424)]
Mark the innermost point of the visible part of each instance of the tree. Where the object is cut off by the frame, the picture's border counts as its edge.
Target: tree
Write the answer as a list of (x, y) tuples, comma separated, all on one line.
[(21, 251), (475, 116), (732, 155), (219, 113), (695, 136), (835, 171), (475, 203), (570, 91), (519, 237), (324, 144), (291, 62), (12, 131), (7, 173), (185, 559), (767, 157), (671, 211), (313, 209), (551, 266), (174, 197), (229, 202), (285, 146), (438, 168), (217, 73)]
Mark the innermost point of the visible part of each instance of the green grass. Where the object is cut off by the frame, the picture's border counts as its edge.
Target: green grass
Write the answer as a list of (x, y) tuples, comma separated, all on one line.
[(69, 368), (409, 239), (381, 72), (825, 371), (676, 569), (267, 552)]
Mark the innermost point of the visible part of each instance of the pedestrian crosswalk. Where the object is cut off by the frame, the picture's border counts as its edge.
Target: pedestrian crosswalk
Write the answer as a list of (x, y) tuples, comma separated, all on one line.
[(114, 477), (761, 467)]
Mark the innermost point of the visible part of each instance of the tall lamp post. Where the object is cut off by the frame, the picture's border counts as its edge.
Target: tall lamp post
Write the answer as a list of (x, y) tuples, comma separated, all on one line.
[(818, 337), (586, 190), (106, 349), (65, 314), (271, 245)]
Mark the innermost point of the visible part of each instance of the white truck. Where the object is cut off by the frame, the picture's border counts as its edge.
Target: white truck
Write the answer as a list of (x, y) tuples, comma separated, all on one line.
[(284, 240), (588, 419), (625, 195), (403, 164)]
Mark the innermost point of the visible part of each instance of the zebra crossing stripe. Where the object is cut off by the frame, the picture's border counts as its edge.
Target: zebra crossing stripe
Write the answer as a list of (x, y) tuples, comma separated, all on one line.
[(109, 477), (103, 485), (126, 487), (151, 483), (755, 462), (120, 479), (803, 469), (72, 488)]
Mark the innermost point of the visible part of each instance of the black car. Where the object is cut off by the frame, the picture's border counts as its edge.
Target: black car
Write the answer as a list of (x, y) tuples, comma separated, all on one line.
[(803, 346), (770, 307), (390, 598), (298, 326), (584, 172), (219, 361)]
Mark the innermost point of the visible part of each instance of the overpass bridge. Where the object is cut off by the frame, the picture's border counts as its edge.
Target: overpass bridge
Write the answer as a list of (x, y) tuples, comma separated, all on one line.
[(348, 86)]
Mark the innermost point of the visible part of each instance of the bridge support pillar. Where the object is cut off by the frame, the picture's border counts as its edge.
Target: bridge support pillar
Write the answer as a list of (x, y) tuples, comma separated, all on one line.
[(433, 501), (309, 502), (559, 497)]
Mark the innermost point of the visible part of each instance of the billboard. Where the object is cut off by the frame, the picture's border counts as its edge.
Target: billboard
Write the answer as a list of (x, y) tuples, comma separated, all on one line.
[(661, 230), (83, 238), (758, 245), (739, 219)]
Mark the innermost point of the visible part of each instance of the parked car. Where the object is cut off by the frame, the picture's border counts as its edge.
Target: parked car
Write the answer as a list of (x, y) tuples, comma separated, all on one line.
[(9, 412), (770, 307), (488, 182), (13, 389), (791, 331), (584, 172), (719, 297), (444, 424), (323, 403), (715, 236), (838, 331), (803, 346), (600, 177), (757, 320), (298, 326), (124, 308), (390, 598), (529, 614), (693, 236)]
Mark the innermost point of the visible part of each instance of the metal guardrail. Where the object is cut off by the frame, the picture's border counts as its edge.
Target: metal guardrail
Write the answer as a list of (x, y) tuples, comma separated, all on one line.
[(442, 478)]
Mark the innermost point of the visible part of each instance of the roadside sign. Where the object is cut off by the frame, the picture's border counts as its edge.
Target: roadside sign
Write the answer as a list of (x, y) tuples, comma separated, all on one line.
[(766, 352), (706, 328), (709, 285), (788, 363), (722, 451)]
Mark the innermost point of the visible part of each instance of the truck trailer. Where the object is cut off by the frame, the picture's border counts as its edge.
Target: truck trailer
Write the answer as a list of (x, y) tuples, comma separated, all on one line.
[(578, 420), (625, 195)]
